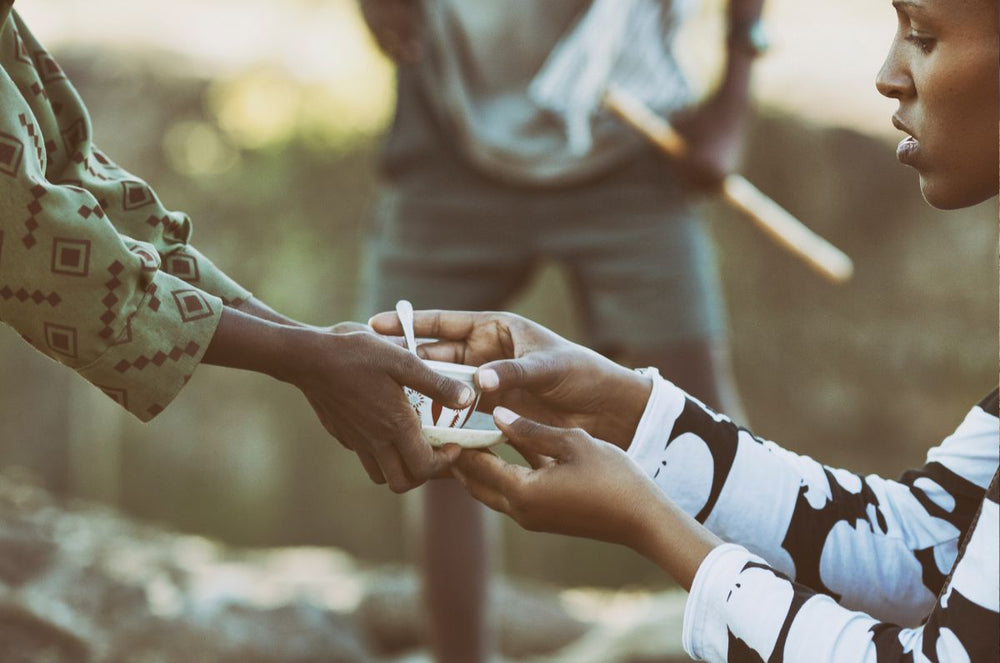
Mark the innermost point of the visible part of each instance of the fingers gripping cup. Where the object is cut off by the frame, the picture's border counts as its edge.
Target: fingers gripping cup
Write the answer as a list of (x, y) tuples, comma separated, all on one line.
[(442, 424), (433, 413)]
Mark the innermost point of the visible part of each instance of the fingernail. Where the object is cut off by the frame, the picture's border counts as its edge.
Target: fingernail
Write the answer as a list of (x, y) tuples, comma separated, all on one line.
[(504, 416), (488, 378), (467, 395)]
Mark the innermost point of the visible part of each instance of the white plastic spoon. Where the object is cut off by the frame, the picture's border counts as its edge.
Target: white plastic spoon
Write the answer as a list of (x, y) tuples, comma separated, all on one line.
[(404, 309)]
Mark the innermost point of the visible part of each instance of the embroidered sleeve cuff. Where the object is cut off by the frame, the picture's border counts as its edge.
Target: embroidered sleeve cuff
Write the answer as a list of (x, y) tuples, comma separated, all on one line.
[(665, 404), (162, 344), (188, 264), (705, 636)]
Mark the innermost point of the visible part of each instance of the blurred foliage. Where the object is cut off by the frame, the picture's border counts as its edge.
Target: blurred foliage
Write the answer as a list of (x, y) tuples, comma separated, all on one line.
[(278, 176)]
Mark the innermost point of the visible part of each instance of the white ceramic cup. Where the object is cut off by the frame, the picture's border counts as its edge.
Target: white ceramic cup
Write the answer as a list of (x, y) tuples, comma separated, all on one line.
[(432, 413)]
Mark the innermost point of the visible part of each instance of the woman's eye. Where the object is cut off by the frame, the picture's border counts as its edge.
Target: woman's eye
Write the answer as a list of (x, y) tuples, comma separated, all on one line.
[(925, 44)]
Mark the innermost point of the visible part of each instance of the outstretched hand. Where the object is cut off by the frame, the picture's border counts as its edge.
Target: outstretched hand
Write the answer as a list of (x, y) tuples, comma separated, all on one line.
[(576, 485), (354, 386), (580, 486), (526, 367), (353, 379)]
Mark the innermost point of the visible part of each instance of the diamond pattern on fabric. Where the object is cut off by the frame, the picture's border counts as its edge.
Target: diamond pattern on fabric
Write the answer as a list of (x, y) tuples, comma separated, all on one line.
[(158, 358), (34, 207), (21, 50), (150, 262), (154, 301), (48, 68), (61, 339), (70, 257), (169, 225), (11, 151), (39, 91), (136, 195), (74, 135), (110, 300), (36, 137), (22, 295), (102, 159), (126, 337), (183, 267), (119, 396), (192, 305), (86, 212)]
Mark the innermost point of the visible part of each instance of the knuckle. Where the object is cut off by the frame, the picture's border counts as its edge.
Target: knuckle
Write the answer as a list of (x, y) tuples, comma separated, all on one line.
[(398, 425), (444, 385), (529, 427), (518, 371)]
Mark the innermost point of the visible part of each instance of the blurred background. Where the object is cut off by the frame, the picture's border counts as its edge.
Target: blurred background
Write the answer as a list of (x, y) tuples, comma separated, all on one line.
[(222, 105)]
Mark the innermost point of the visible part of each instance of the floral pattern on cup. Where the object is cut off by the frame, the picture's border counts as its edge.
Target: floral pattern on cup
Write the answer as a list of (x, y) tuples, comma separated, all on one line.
[(432, 413)]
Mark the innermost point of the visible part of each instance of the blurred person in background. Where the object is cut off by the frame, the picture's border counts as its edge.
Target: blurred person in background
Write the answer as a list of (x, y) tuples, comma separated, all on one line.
[(97, 274), (785, 558), (487, 171)]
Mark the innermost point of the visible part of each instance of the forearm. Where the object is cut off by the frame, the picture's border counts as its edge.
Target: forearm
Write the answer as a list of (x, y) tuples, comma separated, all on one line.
[(674, 541), (258, 309), (735, 84), (250, 342)]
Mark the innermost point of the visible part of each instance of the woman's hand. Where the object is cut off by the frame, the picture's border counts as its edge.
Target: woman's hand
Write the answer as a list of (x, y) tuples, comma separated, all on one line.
[(576, 485), (526, 367), (581, 486), (353, 379)]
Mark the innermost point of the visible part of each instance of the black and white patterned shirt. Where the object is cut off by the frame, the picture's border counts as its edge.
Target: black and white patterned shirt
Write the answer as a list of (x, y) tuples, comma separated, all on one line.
[(824, 564)]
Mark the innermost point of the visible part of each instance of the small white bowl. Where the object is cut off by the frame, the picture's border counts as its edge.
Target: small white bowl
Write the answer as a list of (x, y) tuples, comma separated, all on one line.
[(435, 414)]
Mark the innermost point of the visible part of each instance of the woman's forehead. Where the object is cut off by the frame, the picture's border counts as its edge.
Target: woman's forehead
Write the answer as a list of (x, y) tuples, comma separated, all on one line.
[(980, 15), (949, 6)]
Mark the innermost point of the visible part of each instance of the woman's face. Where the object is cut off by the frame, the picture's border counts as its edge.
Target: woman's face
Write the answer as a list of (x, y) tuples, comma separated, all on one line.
[(944, 69)]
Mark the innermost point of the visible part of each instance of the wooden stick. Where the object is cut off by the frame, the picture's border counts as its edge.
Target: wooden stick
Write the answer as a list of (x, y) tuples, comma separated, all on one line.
[(776, 222)]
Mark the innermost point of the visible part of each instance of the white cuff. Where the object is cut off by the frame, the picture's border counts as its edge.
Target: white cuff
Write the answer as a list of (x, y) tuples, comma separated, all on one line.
[(705, 635), (666, 401)]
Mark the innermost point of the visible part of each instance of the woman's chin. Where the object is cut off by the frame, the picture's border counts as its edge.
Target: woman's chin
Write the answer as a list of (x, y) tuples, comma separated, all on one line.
[(951, 195)]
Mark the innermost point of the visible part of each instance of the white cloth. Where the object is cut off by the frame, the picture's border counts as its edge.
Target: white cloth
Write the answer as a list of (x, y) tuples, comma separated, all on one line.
[(625, 43)]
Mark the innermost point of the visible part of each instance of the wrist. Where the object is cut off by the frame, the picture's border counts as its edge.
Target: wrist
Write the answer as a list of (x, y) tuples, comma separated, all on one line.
[(251, 343), (673, 540), (633, 390), (294, 352)]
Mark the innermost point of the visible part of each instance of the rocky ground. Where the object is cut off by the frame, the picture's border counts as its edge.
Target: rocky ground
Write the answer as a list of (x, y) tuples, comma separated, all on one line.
[(82, 584)]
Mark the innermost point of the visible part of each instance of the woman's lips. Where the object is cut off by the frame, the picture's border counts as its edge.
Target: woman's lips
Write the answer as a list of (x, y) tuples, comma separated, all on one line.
[(907, 150)]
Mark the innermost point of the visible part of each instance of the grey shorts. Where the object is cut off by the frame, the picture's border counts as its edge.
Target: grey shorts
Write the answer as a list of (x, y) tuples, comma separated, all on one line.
[(641, 263)]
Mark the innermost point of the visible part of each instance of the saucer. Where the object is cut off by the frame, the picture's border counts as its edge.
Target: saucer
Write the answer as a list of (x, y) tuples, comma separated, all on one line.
[(466, 438)]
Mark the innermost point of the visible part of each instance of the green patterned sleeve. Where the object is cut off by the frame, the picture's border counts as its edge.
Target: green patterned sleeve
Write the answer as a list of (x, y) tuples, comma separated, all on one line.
[(74, 159), (72, 282)]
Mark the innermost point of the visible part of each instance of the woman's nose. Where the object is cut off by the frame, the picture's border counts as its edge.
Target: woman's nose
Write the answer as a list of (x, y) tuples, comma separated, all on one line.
[(893, 80)]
